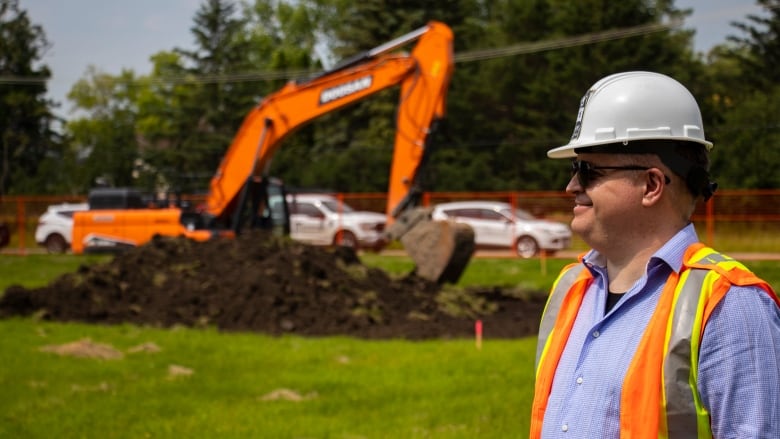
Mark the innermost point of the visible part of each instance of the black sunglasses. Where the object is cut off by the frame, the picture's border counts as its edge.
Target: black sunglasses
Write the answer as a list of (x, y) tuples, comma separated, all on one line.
[(587, 173)]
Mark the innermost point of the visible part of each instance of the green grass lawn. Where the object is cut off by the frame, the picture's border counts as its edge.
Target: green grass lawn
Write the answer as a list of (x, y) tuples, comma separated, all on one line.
[(205, 383), (250, 385)]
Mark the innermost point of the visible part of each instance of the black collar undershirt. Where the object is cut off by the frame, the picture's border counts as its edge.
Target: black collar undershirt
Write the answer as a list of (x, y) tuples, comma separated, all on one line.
[(612, 300)]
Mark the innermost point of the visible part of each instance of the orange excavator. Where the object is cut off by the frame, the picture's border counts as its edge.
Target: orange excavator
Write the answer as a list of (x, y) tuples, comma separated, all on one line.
[(242, 194)]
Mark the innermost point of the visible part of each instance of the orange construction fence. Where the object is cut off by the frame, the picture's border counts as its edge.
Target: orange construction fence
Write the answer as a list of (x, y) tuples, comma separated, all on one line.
[(733, 220)]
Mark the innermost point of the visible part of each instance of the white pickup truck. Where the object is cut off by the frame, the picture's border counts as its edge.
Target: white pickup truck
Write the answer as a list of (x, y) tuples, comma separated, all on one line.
[(322, 219)]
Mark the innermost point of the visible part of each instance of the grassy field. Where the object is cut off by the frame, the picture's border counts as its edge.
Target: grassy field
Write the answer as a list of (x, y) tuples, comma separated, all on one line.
[(205, 384)]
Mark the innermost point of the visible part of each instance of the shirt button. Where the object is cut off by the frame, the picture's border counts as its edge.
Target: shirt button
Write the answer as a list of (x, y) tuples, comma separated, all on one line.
[(579, 380), (565, 427), (596, 334)]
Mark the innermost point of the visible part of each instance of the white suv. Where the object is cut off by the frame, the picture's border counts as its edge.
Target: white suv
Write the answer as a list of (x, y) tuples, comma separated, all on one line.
[(55, 226), (321, 219), (496, 225)]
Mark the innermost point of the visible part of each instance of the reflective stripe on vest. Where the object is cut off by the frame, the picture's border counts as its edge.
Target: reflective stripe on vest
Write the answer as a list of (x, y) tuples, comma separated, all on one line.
[(682, 348), (565, 280), (652, 405)]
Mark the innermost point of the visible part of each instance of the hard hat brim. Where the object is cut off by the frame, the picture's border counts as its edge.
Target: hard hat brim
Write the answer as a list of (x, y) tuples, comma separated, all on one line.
[(568, 151)]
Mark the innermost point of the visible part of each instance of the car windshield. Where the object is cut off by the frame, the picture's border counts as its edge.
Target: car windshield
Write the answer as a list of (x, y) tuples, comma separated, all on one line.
[(335, 206), (518, 214)]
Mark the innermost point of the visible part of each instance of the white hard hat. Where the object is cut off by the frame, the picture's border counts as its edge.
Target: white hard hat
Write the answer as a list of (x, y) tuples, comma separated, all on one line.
[(634, 106)]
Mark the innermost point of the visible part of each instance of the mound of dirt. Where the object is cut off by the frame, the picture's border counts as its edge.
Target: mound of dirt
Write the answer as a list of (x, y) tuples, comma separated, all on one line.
[(271, 285)]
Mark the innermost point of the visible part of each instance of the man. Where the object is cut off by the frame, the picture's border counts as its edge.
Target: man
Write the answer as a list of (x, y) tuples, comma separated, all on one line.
[(651, 334)]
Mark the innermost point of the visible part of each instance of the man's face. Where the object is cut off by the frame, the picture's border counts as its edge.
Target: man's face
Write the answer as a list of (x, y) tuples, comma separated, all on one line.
[(608, 208)]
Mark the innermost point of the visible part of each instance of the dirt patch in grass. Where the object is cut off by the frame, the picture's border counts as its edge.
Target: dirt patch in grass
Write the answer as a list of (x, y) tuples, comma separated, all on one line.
[(275, 286), (84, 348)]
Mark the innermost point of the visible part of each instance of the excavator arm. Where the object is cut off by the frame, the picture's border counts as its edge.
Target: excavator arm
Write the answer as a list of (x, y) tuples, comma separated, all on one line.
[(423, 76), (440, 250)]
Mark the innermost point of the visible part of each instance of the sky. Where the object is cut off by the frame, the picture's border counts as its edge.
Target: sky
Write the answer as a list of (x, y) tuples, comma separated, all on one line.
[(115, 34)]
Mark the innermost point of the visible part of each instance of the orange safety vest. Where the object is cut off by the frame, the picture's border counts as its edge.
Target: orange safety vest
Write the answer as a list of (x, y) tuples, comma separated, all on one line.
[(660, 397)]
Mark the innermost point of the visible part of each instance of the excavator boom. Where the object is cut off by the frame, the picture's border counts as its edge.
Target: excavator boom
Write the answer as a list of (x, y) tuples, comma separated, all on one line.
[(440, 250), (423, 76)]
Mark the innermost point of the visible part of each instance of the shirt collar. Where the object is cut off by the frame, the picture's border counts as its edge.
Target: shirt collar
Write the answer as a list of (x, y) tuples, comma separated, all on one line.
[(671, 253)]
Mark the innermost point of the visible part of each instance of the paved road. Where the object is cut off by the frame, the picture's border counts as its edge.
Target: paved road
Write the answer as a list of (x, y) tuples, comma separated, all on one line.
[(497, 254), (570, 254)]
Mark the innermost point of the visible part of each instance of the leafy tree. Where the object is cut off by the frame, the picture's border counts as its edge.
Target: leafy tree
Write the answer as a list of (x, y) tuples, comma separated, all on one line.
[(105, 136), (216, 104), (26, 134), (745, 75), (490, 95), (747, 155), (761, 59), (504, 111), (356, 142), (196, 100), (167, 126), (524, 104), (286, 37)]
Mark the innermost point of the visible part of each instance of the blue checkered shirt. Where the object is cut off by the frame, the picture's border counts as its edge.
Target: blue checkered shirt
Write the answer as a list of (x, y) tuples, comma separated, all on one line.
[(739, 360)]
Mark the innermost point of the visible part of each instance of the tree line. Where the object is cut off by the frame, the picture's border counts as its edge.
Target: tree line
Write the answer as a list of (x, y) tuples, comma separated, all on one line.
[(521, 69)]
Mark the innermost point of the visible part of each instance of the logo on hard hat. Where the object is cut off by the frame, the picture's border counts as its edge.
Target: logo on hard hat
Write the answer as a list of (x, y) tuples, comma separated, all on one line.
[(578, 125)]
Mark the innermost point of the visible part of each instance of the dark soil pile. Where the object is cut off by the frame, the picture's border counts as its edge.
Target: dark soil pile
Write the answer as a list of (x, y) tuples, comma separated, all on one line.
[(274, 286)]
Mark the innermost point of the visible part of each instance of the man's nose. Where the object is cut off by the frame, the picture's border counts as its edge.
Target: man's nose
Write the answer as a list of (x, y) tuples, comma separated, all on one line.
[(574, 185)]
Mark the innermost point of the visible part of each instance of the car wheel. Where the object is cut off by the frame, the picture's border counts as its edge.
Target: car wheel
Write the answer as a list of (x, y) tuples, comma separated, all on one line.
[(55, 244), (346, 238), (526, 247)]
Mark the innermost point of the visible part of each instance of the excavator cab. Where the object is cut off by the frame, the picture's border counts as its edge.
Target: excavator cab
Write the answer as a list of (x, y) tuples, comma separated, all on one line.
[(273, 213), (262, 205)]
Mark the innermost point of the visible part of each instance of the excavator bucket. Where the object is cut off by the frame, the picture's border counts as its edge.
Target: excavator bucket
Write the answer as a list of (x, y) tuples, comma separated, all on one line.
[(441, 250)]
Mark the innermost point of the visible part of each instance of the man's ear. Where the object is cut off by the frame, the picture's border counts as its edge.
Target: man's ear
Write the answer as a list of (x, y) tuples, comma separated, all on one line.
[(655, 184)]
